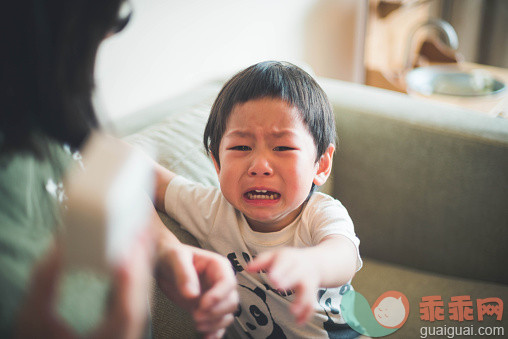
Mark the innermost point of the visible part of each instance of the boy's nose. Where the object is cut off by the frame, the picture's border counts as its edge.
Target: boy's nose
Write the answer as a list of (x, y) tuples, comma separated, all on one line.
[(260, 166)]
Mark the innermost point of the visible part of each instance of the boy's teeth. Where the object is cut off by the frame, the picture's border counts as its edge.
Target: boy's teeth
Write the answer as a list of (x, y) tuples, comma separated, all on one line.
[(262, 194)]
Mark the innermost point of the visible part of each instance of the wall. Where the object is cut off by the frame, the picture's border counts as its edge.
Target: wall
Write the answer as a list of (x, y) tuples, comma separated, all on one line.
[(171, 46)]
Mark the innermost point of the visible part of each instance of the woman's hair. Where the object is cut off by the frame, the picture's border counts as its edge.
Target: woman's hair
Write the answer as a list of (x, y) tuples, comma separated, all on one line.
[(273, 79), (47, 69)]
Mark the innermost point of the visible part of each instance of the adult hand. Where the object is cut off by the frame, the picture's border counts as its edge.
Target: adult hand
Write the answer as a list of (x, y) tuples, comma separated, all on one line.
[(125, 317), (201, 282)]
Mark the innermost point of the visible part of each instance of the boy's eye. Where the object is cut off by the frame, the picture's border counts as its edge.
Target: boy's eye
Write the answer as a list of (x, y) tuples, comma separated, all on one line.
[(283, 148), (240, 148)]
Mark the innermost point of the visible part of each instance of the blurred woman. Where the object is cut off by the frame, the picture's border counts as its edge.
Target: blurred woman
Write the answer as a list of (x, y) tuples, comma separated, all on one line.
[(46, 114)]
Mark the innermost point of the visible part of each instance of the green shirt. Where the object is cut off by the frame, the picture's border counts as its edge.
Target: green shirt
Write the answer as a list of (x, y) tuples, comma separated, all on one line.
[(30, 197)]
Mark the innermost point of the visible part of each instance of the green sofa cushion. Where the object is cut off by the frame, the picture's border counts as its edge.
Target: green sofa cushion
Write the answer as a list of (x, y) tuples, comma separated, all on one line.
[(377, 277)]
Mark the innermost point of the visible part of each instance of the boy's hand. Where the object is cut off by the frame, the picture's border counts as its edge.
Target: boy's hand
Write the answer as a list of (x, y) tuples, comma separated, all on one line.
[(333, 262), (291, 268), (201, 282)]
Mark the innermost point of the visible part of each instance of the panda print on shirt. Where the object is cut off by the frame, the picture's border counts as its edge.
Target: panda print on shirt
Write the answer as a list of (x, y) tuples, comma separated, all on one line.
[(331, 306), (257, 318)]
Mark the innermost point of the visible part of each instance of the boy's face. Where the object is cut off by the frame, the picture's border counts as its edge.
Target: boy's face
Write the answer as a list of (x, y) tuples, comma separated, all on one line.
[(268, 163)]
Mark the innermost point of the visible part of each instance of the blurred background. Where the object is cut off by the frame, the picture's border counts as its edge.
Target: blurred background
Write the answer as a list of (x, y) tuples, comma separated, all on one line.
[(171, 46)]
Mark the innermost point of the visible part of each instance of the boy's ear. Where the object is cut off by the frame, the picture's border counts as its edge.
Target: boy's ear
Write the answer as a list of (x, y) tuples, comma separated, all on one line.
[(216, 164), (324, 166)]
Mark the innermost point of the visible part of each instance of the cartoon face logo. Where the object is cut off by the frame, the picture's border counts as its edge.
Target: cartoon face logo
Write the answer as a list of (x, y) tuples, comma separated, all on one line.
[(391, 309), (389, 313), (256, 319)]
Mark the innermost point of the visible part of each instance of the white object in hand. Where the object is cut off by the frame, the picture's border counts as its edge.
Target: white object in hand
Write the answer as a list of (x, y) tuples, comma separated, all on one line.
[(108, 205)]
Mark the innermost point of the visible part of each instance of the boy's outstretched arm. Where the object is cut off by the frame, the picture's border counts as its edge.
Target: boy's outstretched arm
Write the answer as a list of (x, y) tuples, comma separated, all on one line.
[(163, 177), (330, 264), (199, 281)]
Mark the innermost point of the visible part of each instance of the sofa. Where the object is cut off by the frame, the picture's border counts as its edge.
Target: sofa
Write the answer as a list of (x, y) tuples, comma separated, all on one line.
[(426, 185)]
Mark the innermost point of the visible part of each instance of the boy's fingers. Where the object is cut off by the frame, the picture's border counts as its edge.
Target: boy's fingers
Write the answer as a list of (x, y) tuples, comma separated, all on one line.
[(220, 298), (227, 305), (262, 262), (214, 326), (216, 277), (302, 306), (285, 276), (221, 292), (303, 314), (274, 264), (213, 265), (187, 280)]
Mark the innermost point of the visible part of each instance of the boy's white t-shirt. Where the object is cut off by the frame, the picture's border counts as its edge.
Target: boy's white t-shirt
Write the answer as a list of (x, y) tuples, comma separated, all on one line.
[(219, 227)]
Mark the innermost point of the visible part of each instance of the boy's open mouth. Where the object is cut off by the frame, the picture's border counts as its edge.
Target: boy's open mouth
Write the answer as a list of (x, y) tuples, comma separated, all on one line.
[(261, 195)]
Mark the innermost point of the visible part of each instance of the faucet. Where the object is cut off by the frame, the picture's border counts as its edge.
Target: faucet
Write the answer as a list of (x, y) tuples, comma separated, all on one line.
[(449, 34)]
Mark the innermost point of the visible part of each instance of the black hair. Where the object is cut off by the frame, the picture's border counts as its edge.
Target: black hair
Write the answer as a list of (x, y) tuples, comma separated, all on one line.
[(47, 70), (274, 79)]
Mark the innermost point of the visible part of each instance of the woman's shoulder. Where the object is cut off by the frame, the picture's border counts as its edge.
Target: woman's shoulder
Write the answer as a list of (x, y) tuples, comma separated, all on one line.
[(50, 156), (30, 183)]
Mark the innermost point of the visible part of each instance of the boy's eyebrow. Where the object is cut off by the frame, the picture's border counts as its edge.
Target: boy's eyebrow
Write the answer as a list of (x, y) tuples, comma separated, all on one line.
[(283, 133), (246, 133), (238, 133)]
